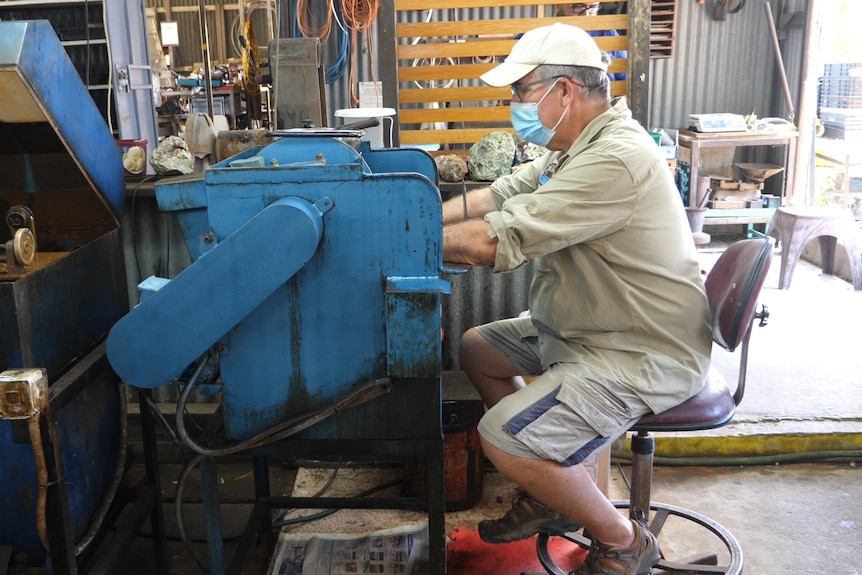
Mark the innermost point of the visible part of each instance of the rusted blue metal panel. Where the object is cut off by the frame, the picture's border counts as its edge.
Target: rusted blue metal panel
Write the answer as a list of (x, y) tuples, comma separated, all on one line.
[(62, 167)]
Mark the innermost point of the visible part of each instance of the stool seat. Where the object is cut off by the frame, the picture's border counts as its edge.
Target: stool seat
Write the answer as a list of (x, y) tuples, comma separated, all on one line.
[(713, 406), (796, 226)]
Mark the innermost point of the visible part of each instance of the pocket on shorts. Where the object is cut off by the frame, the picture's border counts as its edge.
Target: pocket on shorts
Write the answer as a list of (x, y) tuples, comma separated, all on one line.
[(592, 399)]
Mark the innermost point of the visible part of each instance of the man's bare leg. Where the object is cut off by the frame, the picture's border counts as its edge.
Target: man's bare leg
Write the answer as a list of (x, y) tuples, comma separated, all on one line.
[(494, 376), (492, 373), (568, 490)]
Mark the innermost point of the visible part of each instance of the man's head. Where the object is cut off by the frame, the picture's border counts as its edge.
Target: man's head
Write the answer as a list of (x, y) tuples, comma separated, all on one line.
[(557, 44), (559, 84), (587, 9)]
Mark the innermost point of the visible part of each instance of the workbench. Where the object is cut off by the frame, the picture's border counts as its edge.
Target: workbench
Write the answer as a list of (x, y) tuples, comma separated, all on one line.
[(696, 141)]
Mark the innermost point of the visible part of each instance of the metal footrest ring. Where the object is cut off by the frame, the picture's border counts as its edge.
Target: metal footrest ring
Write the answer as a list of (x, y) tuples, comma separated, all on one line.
[(696, 563)]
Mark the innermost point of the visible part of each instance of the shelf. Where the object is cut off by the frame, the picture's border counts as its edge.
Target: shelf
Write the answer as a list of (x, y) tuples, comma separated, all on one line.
[(696, 141), (716, 217)]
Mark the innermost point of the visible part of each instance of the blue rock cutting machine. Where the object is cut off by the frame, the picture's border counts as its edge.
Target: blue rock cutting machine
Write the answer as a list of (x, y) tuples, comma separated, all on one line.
[(312, 306)]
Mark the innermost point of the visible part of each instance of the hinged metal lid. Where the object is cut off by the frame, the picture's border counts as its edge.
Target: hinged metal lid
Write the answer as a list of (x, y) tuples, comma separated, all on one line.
[(57, 155)]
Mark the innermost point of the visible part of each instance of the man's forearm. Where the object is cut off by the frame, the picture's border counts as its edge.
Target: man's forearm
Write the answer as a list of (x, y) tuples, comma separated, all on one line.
[(475, 204)]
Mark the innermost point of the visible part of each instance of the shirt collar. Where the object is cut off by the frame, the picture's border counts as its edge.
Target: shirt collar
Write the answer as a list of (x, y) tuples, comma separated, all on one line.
[(618, 111)]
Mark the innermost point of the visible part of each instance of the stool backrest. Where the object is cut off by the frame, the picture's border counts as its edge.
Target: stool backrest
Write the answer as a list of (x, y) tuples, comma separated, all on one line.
[(732, 288)]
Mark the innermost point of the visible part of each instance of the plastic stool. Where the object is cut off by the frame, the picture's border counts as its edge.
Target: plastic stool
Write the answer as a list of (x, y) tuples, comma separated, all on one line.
[(794, 227)]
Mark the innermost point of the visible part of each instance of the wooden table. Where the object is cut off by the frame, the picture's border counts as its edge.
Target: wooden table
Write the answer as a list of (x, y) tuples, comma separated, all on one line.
[(697, 141)]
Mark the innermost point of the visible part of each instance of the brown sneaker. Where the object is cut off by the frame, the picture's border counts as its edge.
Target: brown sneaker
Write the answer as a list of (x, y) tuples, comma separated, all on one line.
[(638, 559), (526, 518)]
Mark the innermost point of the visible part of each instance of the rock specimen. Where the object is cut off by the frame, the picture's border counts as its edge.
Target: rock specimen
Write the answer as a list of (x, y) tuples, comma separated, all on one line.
[(452, 168), (491, 157), (172, 158)]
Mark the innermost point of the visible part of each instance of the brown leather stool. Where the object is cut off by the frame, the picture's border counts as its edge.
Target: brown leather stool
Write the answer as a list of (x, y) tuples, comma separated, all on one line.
[(794, 227)]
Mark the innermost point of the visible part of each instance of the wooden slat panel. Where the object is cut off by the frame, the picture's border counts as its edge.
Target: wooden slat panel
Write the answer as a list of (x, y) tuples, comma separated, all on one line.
[(454, 94), (403, 5), (472, 94), (506, 27), (447, 136), (485, 47), (619, 88), (442, 72), (446, 71), (467, 114), (455, 49), (438, 78)]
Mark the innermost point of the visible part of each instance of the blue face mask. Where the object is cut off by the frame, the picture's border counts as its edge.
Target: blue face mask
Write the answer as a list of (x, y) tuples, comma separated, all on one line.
[(528, 125)]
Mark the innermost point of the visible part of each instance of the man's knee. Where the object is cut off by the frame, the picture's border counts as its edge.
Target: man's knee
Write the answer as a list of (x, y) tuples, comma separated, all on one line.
[(470, 346)]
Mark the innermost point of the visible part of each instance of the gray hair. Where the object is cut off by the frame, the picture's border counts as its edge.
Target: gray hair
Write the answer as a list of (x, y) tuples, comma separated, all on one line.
[(595, 81)]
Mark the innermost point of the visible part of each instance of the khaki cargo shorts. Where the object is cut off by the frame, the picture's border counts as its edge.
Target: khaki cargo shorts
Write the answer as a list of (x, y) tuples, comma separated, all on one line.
[(566, 414)]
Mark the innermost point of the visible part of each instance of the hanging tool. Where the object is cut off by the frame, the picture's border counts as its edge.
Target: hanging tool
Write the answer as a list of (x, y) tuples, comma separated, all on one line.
[(251, 74), (787, 98)]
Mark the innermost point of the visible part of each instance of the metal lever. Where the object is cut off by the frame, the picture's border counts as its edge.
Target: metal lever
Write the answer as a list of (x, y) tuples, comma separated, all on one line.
[(361, 124)]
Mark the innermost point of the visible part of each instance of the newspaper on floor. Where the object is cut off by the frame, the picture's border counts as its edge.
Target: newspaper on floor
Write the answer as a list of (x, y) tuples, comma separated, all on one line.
[(386, 552)]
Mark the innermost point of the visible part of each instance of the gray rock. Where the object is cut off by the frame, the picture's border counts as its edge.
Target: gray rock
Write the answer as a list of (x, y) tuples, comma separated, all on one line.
[(172, 158), (528, 151), (491, 157), (452, 168)]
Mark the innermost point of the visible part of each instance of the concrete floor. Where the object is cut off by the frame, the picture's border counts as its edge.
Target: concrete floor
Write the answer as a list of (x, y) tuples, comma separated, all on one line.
[(786, 483)]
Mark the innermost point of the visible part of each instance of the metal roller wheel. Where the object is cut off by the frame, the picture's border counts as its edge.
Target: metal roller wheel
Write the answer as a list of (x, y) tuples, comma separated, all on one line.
[(24, 246), (694, 562)]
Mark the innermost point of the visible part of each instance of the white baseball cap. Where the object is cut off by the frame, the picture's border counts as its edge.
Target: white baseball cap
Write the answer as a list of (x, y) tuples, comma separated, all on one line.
[(560, 44)]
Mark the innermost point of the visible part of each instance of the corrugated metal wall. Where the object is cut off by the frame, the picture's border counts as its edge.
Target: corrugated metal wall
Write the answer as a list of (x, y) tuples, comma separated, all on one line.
[(724, 66)]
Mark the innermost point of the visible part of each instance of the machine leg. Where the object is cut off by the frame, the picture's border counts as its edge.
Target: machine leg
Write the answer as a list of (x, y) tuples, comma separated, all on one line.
[(260, 464), (435, 478), (151, 464), (5, 558), (58, 516), (209, 490)]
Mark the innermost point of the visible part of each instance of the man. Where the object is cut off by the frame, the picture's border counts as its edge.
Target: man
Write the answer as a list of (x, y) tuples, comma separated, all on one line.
[(618, 322), (591, 9)]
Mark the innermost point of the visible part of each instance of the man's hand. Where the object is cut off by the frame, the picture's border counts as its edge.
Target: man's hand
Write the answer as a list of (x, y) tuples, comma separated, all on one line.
[(469, 243)]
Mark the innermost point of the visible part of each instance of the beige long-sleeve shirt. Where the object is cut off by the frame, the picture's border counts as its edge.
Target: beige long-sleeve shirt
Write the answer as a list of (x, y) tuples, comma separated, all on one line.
[(617, 284)]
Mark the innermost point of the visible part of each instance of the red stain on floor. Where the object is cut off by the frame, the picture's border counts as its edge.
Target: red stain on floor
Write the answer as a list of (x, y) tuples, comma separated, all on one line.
[(467, 554)]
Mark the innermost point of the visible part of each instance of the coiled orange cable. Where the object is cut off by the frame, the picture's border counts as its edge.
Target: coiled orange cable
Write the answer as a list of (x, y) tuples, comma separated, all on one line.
[(304, 15), (359, 16)]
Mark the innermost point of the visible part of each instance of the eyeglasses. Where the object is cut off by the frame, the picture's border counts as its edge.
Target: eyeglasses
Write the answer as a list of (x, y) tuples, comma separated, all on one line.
[(521, 91)]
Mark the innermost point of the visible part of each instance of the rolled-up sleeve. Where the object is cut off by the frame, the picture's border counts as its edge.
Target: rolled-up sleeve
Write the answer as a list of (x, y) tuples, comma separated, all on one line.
[(509, 255), (513, 214)]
